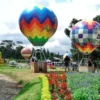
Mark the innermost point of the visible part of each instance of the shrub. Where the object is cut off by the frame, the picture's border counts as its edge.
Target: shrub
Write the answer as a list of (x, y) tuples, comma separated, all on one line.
[(45, 93), (85, 86), (20, 82)]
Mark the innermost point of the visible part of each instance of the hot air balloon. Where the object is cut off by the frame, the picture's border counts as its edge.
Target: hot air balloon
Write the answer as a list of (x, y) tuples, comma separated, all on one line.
[(26, 52), (38, 24), (85, 36)]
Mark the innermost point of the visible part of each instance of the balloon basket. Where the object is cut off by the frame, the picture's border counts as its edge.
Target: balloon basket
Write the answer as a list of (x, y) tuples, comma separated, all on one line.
[(37, 67), (86, 65), (38, 61)]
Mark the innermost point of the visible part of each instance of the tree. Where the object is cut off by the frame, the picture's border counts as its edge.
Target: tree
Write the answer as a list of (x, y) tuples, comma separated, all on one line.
[(9, 45), (97, 18), (75, 52), (18, 52), (48, 54), (73, 22), (96, 53), (3, 50), (9, 49), (67, 32)]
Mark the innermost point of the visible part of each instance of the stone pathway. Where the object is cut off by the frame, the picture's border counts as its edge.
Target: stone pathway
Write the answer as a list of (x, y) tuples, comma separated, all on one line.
[(8, 88)]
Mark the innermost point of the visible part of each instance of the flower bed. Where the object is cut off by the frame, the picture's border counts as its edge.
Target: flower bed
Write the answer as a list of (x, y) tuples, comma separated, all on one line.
[(85, 86), (58, 87)]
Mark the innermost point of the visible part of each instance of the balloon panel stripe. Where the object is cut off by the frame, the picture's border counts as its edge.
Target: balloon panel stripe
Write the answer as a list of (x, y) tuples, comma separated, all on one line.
[(46, 22), (38, 41), (36, 32), (88, 48), (41, 15)]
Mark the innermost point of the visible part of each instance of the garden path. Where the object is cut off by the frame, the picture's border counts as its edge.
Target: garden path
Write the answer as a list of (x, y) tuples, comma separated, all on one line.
[(8, 88)]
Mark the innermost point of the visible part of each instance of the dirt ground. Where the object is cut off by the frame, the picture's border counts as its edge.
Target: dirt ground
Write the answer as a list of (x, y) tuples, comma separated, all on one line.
[(8, 88)]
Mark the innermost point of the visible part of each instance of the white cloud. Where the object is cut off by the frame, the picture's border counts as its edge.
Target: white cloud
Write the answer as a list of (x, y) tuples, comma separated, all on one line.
[(3, 28)]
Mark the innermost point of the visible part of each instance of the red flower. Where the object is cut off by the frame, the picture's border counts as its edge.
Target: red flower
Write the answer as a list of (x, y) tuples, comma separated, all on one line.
[(63, 77), (54, 96), (58, 85), (50, 75), (68, 96), (63, 85), (51, 81), (54, 76), (62, 91)]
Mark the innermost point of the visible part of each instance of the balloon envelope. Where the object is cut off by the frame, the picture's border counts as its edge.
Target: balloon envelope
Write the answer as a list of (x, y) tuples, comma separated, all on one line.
[(26, 52), (38, 24), (85, 36), (66, 54)]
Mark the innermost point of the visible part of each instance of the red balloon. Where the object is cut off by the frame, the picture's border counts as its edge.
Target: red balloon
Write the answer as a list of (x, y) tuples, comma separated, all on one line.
[(26, 52)]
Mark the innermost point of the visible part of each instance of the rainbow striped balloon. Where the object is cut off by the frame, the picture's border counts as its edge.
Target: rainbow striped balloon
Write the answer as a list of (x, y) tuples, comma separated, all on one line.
[(38, 24), (86, 36)]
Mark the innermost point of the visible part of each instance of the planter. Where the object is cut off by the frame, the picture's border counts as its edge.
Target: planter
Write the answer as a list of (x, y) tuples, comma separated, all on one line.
[(91, 69), (38, 67), (86, 69), (34, 67)]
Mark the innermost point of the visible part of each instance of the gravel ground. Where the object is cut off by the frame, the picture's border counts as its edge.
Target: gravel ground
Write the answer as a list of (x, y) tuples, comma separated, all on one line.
[(8, 88)]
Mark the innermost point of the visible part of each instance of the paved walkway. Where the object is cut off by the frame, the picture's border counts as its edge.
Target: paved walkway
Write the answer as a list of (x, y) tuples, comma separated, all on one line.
[(8, 88)]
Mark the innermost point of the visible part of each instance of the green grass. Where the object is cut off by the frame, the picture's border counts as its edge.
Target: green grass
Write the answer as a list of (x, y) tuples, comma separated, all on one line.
[(31, 83), (30, 91), (22, 74), (85, 86)]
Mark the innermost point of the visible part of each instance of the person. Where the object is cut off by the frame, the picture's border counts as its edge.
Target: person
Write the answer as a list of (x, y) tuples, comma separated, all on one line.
[(34, 59), (89, 63), (66, 62)]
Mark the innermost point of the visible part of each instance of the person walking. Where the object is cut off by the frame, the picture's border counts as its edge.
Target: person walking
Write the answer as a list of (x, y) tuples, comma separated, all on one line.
[(66, 61)]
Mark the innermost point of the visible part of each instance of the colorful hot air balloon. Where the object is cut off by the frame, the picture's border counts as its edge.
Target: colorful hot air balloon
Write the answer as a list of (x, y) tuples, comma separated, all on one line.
[(85, 36), (38, 24), (26, 52)]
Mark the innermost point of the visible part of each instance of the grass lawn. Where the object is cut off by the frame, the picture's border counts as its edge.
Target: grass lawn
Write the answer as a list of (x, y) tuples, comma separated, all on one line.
[(30, 91), (56, 69), (23, 74)]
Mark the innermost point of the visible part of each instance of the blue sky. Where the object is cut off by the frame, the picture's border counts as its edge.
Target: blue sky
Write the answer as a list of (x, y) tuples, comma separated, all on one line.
[(65, 10)]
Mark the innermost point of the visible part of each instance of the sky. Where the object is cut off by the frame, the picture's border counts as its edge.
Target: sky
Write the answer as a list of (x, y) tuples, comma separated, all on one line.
[(65, 11)]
